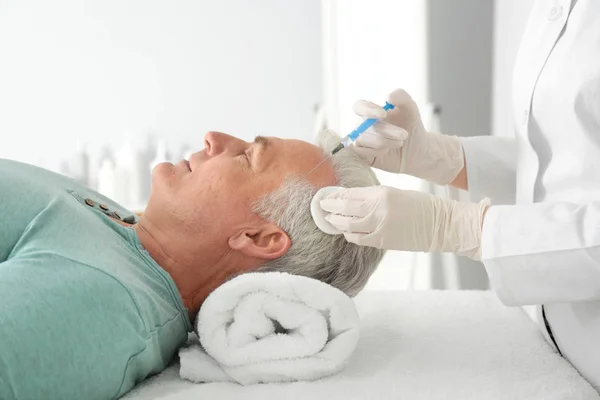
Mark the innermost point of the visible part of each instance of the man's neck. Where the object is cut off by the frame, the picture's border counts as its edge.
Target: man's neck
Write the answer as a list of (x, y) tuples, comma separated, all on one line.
[(187, 285), (196, 273)]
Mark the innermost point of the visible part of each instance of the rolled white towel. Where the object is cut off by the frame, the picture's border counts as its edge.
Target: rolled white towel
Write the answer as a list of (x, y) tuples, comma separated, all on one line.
[(271, 327)]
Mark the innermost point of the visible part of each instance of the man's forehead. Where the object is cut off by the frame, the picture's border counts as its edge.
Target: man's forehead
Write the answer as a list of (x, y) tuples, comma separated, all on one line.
[(296, 144), (306, 156)]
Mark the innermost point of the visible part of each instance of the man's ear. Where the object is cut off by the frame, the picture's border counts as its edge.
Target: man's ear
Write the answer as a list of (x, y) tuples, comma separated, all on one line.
[(267, 241)]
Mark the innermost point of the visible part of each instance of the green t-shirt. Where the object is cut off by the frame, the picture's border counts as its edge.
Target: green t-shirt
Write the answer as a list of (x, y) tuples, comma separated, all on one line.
[(85, 312)]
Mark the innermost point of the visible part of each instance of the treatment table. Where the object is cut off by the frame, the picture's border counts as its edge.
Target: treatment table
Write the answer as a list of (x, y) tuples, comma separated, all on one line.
[(419, 345)]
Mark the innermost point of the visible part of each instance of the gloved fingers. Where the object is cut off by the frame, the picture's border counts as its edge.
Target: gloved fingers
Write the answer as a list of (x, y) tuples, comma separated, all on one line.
[(351, 208), (382, 136), (348, 224), (367, 154), (354, 237), (388, 131), (363, 239), (400, 98), (355, 193), (367, 109)]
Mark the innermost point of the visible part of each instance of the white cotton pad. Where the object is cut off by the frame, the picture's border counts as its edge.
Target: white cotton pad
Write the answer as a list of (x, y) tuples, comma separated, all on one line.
[(319, 214)]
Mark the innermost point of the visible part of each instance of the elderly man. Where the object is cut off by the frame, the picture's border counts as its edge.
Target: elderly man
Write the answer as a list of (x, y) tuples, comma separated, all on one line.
[(92, 300)]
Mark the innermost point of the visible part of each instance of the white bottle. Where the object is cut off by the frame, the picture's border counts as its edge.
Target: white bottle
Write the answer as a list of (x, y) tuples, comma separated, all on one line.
[(186, 152), (63, 168), (124, 169), (162, 154), (79, 166), (106, 178), (147, 155), (137, 191)]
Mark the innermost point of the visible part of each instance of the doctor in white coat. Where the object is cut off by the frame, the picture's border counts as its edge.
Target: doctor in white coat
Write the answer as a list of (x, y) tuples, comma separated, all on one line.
[(538, 229)]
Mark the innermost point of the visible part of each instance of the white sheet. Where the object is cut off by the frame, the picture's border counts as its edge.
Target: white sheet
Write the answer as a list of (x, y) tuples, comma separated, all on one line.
[(420, 345)]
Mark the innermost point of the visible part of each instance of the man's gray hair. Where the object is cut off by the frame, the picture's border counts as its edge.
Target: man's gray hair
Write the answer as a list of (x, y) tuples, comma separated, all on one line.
[(328, 258)]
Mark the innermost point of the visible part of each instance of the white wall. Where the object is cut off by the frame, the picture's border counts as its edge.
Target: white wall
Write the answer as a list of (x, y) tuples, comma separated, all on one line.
[(381, 46), (460, 56), (85, 70), (509, 24), (460, 52), (373, 47)]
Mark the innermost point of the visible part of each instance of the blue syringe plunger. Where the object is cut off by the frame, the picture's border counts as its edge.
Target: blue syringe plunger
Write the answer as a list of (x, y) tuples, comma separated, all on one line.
[(352, 136)]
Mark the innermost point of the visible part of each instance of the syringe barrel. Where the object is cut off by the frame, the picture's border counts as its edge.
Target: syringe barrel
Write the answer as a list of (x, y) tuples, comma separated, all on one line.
[(367, 123)]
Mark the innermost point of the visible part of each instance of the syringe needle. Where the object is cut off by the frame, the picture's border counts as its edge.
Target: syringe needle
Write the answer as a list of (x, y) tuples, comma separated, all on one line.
[(318, 165)]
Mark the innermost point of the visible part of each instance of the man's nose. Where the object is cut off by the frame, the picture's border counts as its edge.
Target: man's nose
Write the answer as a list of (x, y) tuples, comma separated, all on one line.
[(216, 143)]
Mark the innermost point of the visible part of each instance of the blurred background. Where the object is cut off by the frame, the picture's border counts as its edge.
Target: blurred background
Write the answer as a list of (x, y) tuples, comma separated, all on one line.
[(103, 90)]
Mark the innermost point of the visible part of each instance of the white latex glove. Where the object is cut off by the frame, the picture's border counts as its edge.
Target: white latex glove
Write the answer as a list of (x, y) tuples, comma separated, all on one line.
[(394, 219), (399, 142)]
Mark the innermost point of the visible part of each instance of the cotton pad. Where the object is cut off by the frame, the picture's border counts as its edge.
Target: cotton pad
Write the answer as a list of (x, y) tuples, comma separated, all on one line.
[(319, 214)]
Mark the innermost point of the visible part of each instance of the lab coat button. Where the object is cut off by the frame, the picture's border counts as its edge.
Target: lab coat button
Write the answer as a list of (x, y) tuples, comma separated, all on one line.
[(89, 202), (555, 13), (116, 215), (104, 207)]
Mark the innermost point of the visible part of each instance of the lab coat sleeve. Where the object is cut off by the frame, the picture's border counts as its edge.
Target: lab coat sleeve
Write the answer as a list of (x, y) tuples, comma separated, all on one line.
[(543, 253), (491, 168), (536, 253)]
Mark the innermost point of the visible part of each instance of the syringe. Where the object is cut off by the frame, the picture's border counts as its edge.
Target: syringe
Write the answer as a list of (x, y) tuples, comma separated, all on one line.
[(352, 136)]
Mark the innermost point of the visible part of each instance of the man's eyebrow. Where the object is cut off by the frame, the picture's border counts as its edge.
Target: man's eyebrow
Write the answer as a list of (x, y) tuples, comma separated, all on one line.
[(262, 141)]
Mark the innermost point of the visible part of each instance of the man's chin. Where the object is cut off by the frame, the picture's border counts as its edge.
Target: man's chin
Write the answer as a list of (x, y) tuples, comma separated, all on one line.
[(162, 171), (162, 174), (162, 165)]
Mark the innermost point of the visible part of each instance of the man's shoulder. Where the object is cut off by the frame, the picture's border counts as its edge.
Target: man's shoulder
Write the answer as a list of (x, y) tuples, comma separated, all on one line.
[(49, 284), (10, 168), (71, 329), (28, 186)]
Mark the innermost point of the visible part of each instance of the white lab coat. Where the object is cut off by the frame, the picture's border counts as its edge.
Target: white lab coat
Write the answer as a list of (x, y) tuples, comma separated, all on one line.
[(543, 246)]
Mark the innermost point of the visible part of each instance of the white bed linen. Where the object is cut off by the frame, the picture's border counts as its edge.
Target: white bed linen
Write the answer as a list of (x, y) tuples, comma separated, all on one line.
[(420, 345)]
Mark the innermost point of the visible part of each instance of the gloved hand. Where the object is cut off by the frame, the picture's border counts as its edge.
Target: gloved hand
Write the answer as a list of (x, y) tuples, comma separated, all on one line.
[(394, 219), (399, 142)]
